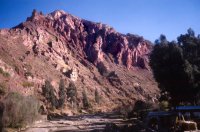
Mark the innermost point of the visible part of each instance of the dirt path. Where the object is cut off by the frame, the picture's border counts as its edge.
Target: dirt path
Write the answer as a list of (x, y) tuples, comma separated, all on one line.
[(83, 123)]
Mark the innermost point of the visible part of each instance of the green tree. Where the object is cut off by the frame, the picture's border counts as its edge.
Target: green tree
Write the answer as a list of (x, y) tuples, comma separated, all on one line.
[(48, 92), (176, 67), (97, 97), (191, 32), (62, 93), (86, 103), (72, 94)]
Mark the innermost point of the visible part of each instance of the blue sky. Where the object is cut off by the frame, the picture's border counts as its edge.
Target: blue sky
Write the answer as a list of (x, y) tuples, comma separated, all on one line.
[(148, 18)]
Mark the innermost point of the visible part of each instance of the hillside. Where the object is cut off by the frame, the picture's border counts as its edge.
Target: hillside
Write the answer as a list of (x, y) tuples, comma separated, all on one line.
[(93, 55)]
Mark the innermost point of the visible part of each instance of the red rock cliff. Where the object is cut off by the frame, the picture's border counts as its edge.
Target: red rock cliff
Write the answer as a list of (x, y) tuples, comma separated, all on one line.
[(94, 41)]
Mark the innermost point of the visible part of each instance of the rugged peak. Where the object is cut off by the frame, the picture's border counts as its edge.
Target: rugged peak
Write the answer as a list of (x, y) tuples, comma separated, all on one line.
[(59, 14), (56, 14), (92, 40), (35, 15)]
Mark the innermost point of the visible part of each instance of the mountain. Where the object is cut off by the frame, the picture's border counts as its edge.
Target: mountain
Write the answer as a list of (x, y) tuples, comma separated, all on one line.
[(92, 55)]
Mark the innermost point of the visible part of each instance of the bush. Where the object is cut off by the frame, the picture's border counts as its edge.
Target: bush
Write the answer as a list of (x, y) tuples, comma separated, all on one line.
[(16, 69), (1, 71), (142, 107), (2, 88), (103, 70), (164, 105), (1, 116), (19, 110), (5, 74), (27, 84)]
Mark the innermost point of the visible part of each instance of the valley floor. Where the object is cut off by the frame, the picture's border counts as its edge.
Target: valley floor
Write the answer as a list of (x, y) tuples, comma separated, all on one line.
[(83, 123)]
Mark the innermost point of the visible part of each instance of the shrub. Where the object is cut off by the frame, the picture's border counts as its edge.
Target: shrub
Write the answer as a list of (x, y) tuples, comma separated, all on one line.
[(1, 116), (103, 70), (1, 71), (19, 110), (141, 105), (16, 69), (5, 74), (27, 84), (164, 105), (2, 88)]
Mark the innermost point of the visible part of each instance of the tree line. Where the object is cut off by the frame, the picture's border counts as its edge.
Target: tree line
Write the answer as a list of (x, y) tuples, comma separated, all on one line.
[(176, 68), (66, 94)]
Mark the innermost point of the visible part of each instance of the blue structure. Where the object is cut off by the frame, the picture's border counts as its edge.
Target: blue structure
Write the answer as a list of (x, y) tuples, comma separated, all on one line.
[(188, 108)]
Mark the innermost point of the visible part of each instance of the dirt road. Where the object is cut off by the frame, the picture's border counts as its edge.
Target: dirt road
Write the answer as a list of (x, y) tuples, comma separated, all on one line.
[(83, 123)]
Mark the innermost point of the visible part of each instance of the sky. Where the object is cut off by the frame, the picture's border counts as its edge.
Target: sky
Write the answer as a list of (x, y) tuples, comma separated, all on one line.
[(147, 18)]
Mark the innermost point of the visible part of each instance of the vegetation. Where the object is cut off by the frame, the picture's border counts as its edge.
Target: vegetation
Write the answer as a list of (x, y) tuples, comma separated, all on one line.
[(27, 84), (16, 69), (142, 106), (48, 92), (19, 110), (72, 94), (5, 74), (102, 69), (2, 88), (1, 116), (62, 93), (176, 67), (97, 97), (164, 105), (86, 103)]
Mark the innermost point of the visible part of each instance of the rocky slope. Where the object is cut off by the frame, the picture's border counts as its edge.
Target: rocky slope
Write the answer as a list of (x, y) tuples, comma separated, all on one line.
[(93, 55)]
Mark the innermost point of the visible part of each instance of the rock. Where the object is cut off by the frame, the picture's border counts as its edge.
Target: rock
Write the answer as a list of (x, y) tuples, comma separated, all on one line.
[(83, 111), (67, 113), (96, 39), (52, 116), (73, 74)]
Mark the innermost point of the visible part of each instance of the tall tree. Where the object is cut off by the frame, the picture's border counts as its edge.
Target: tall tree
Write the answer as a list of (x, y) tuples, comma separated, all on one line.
[(48, 92), (86, 103), (72, 94), (97, 97), (176, 67), (62, 93)]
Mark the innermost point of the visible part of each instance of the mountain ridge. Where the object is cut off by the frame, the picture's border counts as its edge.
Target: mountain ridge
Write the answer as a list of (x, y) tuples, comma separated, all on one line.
[(51, 46)]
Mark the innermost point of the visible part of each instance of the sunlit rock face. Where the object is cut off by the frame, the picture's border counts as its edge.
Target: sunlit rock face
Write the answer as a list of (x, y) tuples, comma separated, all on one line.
[(92, 55), (91, 40)]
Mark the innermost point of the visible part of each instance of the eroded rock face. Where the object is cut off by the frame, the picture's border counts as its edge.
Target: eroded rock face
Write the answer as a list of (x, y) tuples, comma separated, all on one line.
[(53, 45), (90, 40)]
